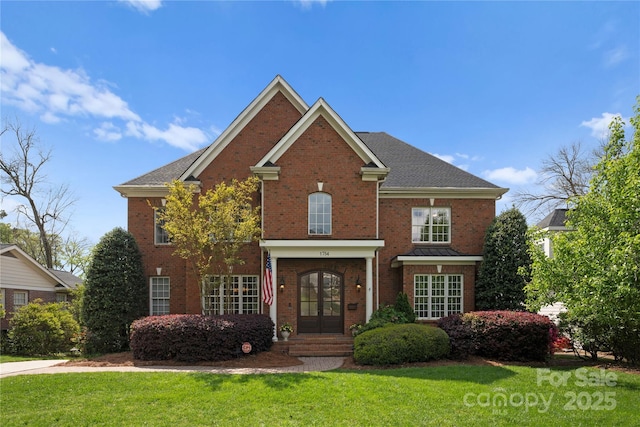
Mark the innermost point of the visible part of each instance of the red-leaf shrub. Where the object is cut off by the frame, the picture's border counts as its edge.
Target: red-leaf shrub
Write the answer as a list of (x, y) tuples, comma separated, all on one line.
[(504, 335), (193, 337), (460, 336)]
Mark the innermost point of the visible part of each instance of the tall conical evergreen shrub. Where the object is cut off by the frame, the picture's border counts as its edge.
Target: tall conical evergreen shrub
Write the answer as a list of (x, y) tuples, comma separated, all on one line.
[(115, 292), (500, 284)]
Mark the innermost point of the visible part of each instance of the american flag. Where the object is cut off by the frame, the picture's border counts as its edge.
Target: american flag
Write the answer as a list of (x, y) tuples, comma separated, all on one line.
[(267, 282)]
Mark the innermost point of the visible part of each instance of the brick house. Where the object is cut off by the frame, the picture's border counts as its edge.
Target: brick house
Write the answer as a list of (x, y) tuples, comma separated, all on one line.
[(23, 279), (350, 219)]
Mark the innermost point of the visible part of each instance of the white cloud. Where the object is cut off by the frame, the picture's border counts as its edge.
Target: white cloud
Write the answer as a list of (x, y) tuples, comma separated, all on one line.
[(600, 125), (615, 56), (187, 138), (108, 132), (55, 93), (446, 157), (511, 175), (307, 4), (144, 6)]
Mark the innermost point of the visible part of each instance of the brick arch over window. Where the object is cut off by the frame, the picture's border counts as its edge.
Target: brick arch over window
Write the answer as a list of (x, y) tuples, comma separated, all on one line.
[(320, 214)]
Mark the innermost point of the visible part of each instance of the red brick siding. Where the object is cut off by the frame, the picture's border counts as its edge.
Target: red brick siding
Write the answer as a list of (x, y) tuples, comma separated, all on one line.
[(247, 148), (320, 155)]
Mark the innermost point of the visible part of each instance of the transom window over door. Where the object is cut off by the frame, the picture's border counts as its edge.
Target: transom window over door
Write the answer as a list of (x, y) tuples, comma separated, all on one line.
[(431, 225), (319, 214)]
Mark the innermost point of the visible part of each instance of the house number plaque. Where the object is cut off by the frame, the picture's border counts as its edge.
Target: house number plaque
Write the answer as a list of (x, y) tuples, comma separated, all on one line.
[(324, 253)]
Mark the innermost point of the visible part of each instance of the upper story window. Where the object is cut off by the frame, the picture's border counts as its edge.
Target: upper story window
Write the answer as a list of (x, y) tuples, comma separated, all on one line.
[(319, 214), (431, 225), (161, 237)]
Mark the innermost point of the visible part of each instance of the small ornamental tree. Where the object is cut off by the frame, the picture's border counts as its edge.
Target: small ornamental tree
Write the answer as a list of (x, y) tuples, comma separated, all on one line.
[(506, 265), (211, 229), (115, 292)]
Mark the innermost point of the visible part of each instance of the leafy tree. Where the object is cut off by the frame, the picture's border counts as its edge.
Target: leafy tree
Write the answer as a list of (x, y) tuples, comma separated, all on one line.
[(115, 292), (504, 271), (23, 172), (41, 329), (209, 231), (595, 270)]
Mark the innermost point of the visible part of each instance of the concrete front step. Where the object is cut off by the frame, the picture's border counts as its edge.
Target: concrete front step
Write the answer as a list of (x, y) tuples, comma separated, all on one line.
[(316, 345)]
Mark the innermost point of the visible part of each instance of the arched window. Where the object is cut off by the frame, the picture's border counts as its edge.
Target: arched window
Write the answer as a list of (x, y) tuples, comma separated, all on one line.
[(319, 214)]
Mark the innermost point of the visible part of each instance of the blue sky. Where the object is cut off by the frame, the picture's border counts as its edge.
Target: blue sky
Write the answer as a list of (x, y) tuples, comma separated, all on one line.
[(118, 88)]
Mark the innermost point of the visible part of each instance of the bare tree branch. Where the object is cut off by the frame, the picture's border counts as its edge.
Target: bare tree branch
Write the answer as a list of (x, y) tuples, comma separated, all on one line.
[(23, 174), (564, 176)]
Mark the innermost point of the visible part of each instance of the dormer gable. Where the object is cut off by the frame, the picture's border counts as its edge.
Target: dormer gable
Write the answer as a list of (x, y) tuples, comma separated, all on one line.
[(372, 170)]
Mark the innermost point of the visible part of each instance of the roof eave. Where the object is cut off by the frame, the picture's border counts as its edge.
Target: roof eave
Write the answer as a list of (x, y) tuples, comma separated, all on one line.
[(149, 190), (442, 192), (435, 260)]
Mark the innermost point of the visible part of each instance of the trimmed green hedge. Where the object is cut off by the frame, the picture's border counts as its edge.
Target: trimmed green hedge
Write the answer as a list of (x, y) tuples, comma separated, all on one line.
[(193, 337), (405, 343)]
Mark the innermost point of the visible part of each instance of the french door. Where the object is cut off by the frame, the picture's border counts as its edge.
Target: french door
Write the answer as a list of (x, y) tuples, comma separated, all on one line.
[(320, 307)]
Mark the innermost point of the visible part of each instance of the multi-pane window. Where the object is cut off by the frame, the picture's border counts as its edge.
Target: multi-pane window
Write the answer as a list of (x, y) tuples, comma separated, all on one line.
[(160, 288), (431, 225), (242, 297), (320, 214), (437, 295), (161, 237), (60, 297), (20, 298)]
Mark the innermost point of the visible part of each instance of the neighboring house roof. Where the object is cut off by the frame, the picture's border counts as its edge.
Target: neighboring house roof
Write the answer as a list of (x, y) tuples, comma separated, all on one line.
[(556, 220), (13, 262), (69, 279)]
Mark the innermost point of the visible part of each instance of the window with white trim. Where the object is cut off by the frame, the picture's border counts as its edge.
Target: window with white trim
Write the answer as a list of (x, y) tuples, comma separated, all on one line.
[(161, 237), (20, 298), (431, 225), (242, 297), (319, 214), (437, 295), (160, 289)]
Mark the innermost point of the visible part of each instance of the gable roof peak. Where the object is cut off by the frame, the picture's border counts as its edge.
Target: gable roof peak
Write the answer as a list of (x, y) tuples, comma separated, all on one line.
[(321, 108), (277, 85)]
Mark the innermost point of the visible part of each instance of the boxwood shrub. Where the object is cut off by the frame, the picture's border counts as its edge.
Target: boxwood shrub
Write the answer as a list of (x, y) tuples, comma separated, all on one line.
[(192, 337), (400, 343), (504, 335)]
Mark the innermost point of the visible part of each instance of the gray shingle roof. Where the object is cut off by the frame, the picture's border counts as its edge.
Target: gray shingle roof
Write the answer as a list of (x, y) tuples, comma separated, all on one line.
[(167, 173), (432, 251), (557, 218), (412, 167)]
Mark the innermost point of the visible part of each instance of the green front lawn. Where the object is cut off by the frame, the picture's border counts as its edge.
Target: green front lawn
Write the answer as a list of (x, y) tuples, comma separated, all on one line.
[(441, 396)]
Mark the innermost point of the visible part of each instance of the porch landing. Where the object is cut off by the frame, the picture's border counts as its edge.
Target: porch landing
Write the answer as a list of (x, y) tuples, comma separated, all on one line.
[(316, 345)]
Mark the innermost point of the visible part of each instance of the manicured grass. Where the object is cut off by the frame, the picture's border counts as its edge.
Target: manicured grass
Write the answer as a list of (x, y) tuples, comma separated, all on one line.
[(7, 358), (441, 396)]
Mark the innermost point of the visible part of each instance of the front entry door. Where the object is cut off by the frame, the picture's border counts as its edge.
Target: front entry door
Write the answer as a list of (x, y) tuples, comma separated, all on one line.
[(320, 303)]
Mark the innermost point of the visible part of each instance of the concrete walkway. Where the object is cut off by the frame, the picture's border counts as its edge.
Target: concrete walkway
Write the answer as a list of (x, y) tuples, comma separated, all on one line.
[(310, 364)]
